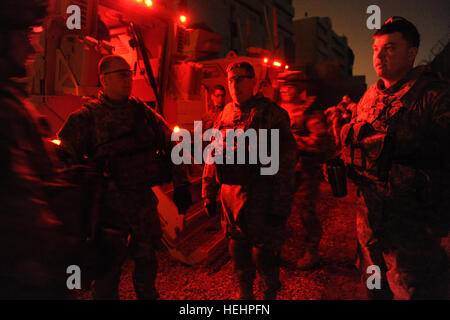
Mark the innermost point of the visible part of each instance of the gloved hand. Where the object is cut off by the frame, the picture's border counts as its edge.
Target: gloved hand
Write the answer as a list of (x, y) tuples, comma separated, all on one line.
[(210, 206), (182, 198)]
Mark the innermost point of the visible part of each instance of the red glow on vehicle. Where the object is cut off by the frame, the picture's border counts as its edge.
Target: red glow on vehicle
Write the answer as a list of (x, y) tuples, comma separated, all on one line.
[(38, 29), (277, 64), (183, 18), (57, 142)]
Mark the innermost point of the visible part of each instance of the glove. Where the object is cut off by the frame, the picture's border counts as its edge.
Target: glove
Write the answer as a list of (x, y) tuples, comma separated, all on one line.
[(182, 199), (210, 206)]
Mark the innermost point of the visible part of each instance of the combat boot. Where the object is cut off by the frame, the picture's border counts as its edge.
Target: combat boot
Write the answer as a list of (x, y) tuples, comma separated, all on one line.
[(243, 268), (267, 263), (309, 260), (245, 291)]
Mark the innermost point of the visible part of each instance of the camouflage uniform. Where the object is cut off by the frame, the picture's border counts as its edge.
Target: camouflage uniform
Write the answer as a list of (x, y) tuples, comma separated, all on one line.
[(397, 147), (255, 206), (33, 246), (338, 116), (313, 146), (122, 141), (210, 117), (33, 243)]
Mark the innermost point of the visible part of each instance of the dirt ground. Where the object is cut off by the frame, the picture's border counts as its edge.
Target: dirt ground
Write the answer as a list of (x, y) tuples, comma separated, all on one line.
[(335, 279)]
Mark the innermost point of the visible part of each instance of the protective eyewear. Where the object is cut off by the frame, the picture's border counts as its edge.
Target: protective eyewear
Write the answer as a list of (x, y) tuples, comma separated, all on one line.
[(124, 72)]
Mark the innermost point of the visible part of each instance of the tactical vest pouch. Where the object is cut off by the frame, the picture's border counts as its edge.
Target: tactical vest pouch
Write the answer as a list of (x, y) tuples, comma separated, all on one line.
[(233, 173), (142, 160), (364, 146)]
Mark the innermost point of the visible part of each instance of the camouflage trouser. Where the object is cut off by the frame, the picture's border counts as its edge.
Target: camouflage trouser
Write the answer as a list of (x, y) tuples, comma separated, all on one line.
[(255, 247), (128, 224), (247, 259), (412, 266), (308, 181)]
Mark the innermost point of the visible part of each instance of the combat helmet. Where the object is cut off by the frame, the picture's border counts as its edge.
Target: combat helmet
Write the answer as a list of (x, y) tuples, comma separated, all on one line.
[(292, 77)]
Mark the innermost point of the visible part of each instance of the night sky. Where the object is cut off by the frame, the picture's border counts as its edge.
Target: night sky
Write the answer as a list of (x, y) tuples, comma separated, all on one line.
[(348, 17)]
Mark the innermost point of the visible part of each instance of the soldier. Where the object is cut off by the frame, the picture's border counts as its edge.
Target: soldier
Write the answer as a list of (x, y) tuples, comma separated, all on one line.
[(255, 206), (397, 148), (123, 137), (339, 115), (218, 103), (313, 147), (33, 245)]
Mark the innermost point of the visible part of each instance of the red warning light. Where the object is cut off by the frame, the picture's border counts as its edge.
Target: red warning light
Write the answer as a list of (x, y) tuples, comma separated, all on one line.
[(183, 18), (266, 60), (38, 29), (148, 3), (176, 129), (286, 67), (277, 64), (139, 1), (57, 142)]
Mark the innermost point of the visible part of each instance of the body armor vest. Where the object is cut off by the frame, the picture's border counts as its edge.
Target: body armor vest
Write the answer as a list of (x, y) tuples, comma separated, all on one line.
[(233, 118), (125, 143)]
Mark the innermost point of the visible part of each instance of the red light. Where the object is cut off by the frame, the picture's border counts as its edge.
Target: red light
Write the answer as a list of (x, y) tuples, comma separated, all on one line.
[(266, 60), (148, 3), (57, 142), (286, 67), (139, 1), (38, 29), (183, 18), (277, 64), (176, 129)]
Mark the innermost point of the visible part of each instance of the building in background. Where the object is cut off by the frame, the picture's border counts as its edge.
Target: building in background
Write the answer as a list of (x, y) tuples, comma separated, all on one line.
[(246, 23), (316, 44), (326, 58)]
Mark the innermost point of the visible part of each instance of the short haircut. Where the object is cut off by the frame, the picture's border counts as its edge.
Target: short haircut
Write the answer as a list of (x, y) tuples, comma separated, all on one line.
[(218, 87), (243, 65), (106, 61), (398, 24)]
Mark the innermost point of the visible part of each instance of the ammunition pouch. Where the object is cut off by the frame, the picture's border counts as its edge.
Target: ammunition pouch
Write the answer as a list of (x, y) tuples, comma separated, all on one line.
[(364, 148)]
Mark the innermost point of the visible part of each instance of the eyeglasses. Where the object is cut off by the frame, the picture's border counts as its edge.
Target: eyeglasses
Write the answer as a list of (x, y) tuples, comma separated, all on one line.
[(238, 78), (123, 72)]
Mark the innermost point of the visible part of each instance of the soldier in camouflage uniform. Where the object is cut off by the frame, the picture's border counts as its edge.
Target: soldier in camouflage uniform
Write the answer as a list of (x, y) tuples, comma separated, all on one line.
[(122, 137), (255, 206), (218, 103), (339, 115), (313, 146), (397, 149), (33, 246)]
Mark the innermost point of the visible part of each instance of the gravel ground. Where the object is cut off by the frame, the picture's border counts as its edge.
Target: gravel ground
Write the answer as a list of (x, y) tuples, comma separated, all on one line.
[(335, 279)]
